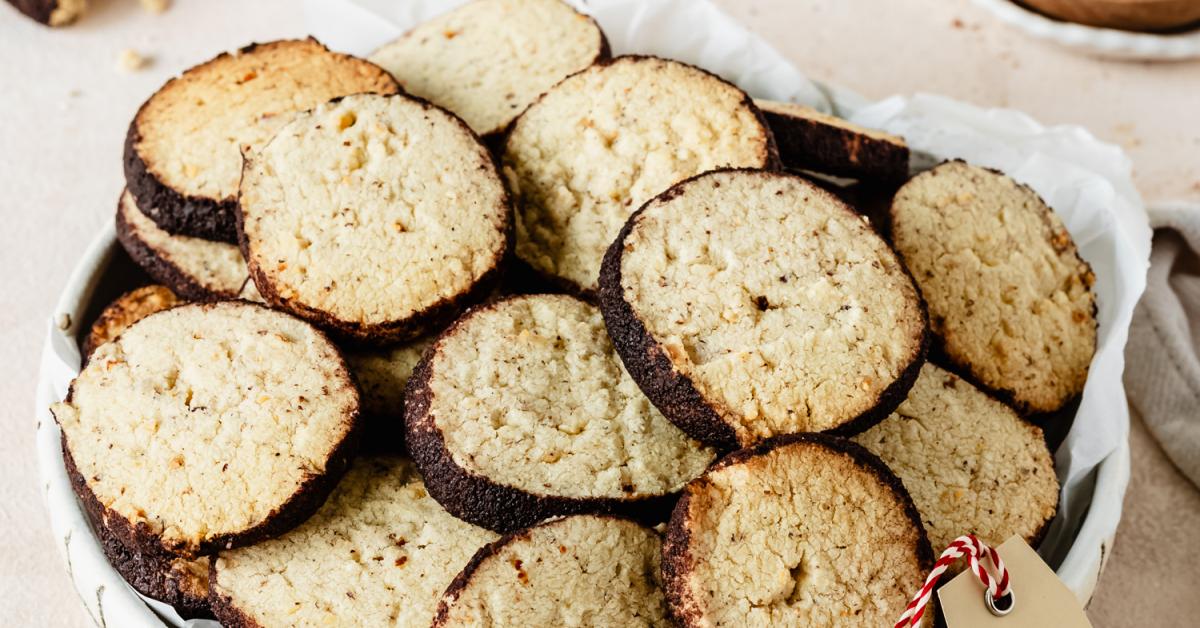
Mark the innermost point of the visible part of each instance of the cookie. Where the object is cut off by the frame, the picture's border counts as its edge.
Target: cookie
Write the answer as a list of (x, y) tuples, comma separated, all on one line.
[(126, 310), (591, 150), (378, 553), (177, 582), (748, 304), (522, 411), (379, 218), (51, 12), (193, 268), (1010, 300), (968, 461), (381, 375), (811, 140), (488, 60), (803, 530), (583, 570), (872, 201), (208, 426), (183, 150)]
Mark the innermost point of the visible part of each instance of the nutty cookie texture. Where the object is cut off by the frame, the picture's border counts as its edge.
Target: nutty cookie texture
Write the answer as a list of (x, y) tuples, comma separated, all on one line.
[(583, 570), (1010, 300), (378, 553), (802, 530), (379, 218), (591, 150), (522, 411), (126, 310), (183, 150), (244, 417), (489, 59), (193, 268), (969, 462), (381, 375), (749, 304)]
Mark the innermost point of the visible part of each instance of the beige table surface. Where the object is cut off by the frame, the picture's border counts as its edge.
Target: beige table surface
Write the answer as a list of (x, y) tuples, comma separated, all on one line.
[(64, 109)]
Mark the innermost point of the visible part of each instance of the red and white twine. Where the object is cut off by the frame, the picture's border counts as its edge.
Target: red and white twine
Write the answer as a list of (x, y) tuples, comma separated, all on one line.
[(974, 550)]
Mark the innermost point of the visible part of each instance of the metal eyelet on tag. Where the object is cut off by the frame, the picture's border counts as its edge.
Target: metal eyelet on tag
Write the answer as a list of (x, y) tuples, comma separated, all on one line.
[(995, 610)]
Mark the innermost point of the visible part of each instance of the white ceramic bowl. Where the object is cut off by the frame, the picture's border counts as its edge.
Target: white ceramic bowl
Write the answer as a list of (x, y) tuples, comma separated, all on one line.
[(1087, 181), (1104, 42), (112, 602)]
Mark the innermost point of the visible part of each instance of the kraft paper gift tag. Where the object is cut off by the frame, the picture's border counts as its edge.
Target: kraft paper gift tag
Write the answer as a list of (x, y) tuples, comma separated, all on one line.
[(1040, 599)]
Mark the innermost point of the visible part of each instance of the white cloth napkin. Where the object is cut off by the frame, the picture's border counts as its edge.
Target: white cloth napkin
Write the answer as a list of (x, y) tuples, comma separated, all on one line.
[(1163, 354)]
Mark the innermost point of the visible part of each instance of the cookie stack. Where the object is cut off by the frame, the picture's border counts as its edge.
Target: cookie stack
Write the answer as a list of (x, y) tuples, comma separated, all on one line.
[(505, 330)]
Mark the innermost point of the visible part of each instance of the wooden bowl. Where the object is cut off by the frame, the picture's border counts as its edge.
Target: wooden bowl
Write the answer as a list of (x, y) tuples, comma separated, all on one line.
[(1130, 15)]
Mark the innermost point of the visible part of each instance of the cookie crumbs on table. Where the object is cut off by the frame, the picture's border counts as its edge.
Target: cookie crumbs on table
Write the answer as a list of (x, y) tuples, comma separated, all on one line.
[(130, 60)]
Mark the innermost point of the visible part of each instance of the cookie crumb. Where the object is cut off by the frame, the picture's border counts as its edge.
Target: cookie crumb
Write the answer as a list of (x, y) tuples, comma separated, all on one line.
[(63, 321), (156, 6), (131, 61)]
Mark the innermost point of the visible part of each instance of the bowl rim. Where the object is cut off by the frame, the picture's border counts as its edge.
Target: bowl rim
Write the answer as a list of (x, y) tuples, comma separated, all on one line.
[(1105, 42)]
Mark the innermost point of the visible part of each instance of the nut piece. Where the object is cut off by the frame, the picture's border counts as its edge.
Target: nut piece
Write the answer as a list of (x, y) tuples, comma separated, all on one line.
[(156, 6), (131, 61)]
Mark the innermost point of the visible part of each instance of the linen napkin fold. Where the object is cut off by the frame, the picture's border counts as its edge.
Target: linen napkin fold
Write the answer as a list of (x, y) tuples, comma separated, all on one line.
[(1162, 358)]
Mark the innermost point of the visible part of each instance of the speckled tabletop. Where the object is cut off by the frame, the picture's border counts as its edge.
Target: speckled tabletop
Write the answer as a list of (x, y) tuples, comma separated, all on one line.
[(65, 108)]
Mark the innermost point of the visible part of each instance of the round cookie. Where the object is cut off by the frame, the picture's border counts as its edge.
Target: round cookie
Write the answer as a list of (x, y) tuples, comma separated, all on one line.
[(126, 310), (378, 553), (968, 461), (1009, 297), (208, 426), (522, 411), (591, 150), (803, 530), (488, 60), (748, 304), (811, 140), (177, 582), (381, 376), (583, 570), (378, 217), (183, 151), (193, 268), (51, 12)]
